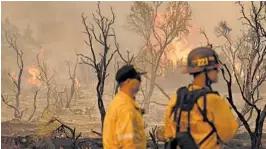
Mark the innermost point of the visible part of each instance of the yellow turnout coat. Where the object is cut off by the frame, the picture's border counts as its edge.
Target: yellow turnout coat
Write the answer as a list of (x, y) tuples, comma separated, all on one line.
[(218, 111), (123, 124)]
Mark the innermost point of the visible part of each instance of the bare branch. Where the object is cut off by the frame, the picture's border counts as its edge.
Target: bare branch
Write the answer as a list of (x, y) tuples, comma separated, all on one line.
[(163, 92), (154, 138), (90, 38), (12, 41), (111, 58), (206, 37), (95, 132), (230, 98), (13, 79), (158, 30), (103, 25), (6, 102), (46, 79), (34, 105), (157, 103)]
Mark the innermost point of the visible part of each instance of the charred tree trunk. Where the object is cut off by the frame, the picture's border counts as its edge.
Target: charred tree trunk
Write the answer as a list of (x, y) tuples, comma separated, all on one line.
[(100, 91), (154, 75), (17, 80), (104, 25), (257, 134), (47, 101), (34, 105), (100, 88), (150, 91), (143, 19)]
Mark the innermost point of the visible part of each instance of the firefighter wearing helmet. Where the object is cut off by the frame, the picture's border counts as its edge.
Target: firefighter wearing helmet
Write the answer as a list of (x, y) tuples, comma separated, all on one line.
[(123, 124), (198, 117)]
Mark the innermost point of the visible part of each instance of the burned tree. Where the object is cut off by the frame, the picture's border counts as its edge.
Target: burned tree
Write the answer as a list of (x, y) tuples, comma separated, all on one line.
[(59, 97), (125, 60), (46, 79), (99, 63), (17, 80), (158, 30), (73, 88), (34, 105), (247, 60)]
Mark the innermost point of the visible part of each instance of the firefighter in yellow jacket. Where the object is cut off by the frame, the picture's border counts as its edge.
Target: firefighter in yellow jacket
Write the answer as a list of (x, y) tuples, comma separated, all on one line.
[(123, 124), (209, 120)]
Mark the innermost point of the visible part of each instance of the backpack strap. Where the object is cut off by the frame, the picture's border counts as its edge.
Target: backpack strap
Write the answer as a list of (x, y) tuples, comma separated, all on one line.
[(204, 114), (181, 95)]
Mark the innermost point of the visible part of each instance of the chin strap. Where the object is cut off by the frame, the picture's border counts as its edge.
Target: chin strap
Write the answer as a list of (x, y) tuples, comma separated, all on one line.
[(208, 82)]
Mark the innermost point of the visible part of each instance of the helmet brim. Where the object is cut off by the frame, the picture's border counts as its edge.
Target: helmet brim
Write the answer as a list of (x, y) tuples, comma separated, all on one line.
[(200, 69)]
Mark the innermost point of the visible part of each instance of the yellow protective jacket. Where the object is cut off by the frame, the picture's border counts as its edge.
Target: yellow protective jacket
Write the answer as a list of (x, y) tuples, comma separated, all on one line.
[(218, 111), (123, 124)]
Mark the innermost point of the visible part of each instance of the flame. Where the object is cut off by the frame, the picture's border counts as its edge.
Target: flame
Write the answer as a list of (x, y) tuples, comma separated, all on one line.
[(178, 52), (35, 73), (178, 49), (238, 71)]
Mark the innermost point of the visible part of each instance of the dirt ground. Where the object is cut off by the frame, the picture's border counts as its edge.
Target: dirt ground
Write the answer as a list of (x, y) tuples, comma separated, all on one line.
[(83, 114)]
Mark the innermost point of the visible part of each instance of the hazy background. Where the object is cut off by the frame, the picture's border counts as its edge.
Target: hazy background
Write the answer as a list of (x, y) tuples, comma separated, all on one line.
[(57, 25), (58, 29)]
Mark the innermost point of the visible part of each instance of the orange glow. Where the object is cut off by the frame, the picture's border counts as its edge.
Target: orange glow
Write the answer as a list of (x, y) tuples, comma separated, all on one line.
[(178, 49), (35, 73)]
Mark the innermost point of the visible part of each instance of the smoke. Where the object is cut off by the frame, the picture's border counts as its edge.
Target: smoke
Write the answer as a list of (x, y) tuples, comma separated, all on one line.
[(58, 27)]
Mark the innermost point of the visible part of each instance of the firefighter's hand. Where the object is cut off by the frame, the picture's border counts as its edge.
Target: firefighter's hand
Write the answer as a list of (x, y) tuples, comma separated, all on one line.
[(160, 133)]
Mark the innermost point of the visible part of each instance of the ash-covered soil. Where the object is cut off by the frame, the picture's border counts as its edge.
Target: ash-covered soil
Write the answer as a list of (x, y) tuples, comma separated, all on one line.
[(84, 115)]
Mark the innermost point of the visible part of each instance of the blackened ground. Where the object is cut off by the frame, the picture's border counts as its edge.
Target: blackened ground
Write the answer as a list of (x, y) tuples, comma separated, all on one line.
[(241, 142)]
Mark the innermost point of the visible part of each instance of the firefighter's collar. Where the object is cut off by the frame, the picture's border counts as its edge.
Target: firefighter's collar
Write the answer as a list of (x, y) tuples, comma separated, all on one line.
[(127, 97), (132, 101), (194, 87)]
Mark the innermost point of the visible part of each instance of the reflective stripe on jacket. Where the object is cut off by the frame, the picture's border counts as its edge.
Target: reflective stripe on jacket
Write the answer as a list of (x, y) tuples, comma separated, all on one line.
[(123, 124), (218, 111)]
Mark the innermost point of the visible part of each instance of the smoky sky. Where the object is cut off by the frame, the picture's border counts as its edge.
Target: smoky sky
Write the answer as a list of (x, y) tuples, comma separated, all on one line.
[(58, 25)]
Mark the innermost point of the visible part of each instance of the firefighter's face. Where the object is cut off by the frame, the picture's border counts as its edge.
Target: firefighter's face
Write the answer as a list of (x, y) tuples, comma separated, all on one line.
[(213, 75), (134, 85)]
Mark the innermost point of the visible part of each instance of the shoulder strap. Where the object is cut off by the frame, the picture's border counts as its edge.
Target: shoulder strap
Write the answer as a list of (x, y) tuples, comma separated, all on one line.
[(181, 94), (203, 92), (204, 113)]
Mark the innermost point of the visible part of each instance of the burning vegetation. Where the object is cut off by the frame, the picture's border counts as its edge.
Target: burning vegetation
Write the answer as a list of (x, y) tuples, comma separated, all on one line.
[(166, 31), (35, 74)]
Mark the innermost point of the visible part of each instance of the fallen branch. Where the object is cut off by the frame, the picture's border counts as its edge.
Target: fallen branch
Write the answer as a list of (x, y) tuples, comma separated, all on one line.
[(62, 127), (95, 132)]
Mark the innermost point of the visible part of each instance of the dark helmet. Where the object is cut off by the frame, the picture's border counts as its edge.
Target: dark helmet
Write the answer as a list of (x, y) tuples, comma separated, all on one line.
[(201, 59)]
